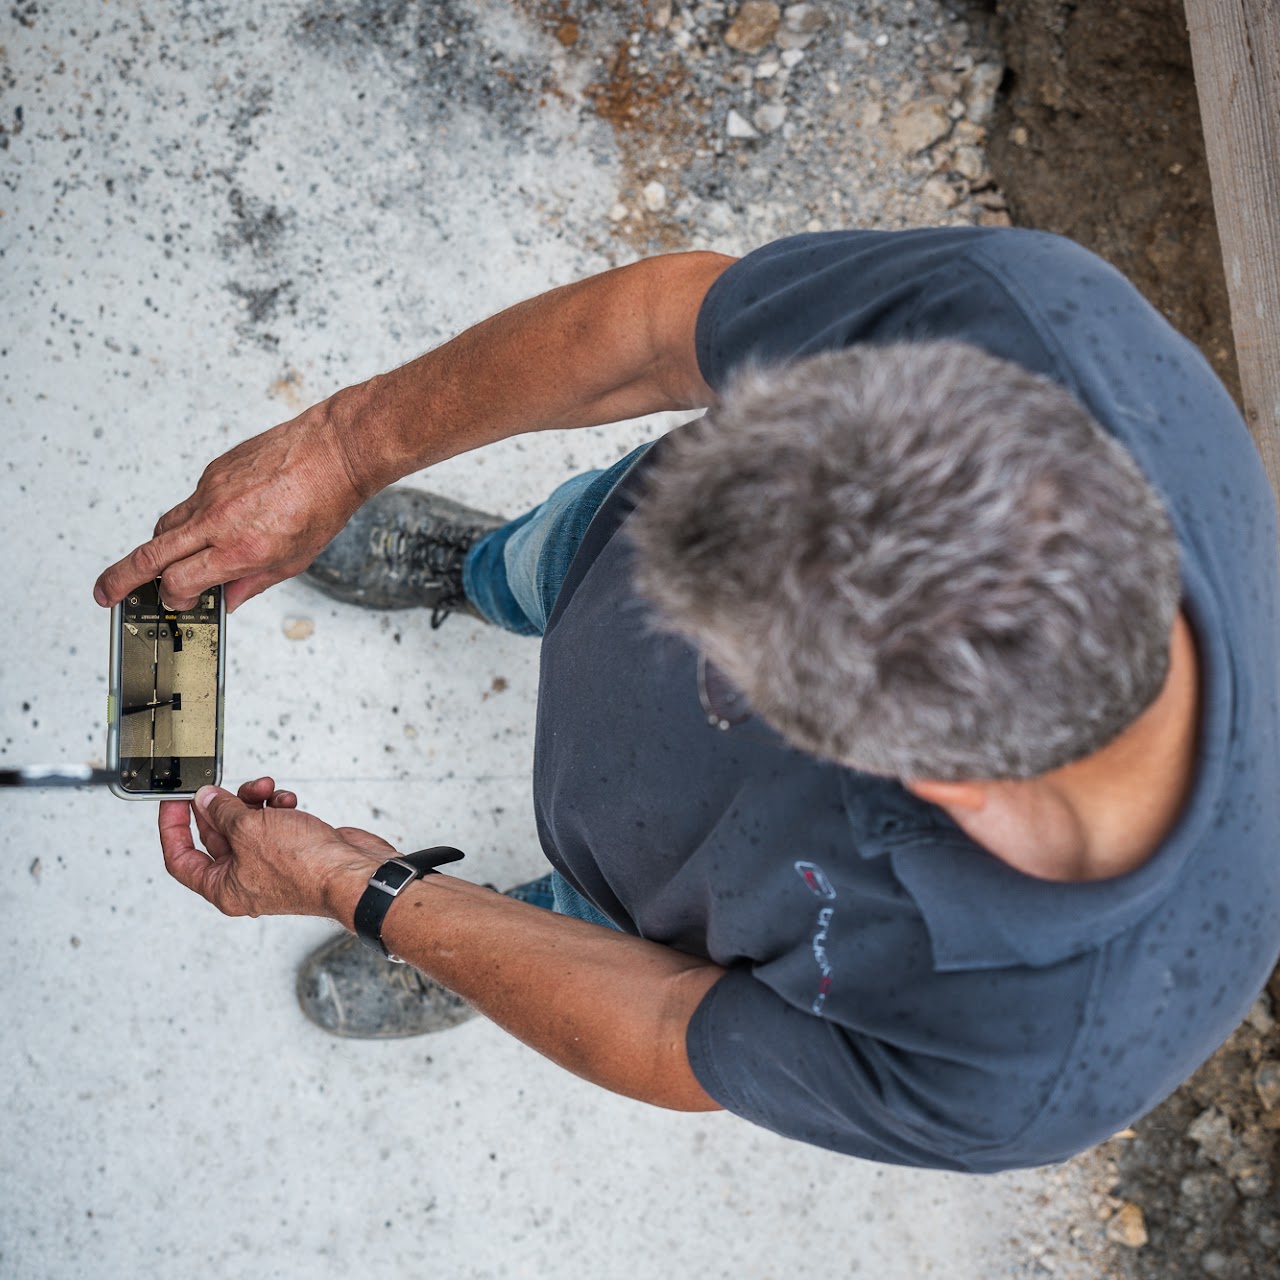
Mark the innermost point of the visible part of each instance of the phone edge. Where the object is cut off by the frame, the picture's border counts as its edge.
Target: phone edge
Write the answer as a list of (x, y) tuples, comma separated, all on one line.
[(114, 704)]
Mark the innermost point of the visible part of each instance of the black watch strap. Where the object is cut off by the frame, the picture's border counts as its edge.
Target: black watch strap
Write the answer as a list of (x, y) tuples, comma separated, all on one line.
[(387, 883)]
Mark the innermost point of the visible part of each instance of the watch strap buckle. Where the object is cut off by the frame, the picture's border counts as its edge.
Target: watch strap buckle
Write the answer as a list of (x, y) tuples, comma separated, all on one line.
[(378, 895)]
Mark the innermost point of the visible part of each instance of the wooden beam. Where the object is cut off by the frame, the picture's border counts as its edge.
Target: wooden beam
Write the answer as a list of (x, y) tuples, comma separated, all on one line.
[(1235, 48)]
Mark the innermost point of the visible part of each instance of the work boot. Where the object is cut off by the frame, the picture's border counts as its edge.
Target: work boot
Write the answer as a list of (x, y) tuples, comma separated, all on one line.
[(350, 990), (403, 549)]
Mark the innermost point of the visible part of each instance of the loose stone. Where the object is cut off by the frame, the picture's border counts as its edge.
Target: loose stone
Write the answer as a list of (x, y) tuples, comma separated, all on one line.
[(738, 127), (1128, 1227), (753, 26), (800, 26), (775, 86), (969, 134), (969, 163), (980, 90), (1211, 1132), (1266, 1083), (1249, 1172), (770, 117), (1260, 1017), (654, 196), (941, 192), (919, 125)]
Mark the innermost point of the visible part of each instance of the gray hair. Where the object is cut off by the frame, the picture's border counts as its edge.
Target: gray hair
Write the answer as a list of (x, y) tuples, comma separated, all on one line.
[(916, 559)]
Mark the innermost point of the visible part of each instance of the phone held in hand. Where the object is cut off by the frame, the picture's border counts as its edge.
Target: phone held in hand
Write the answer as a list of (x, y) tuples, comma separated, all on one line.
[(164, 708)]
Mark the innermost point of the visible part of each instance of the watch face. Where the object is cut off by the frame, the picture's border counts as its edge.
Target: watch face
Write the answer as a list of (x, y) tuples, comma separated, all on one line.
[(395, 877)]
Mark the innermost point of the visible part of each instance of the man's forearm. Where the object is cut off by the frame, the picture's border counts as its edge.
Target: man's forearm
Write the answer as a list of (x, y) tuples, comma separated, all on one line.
[(618, 345), (607, 1006)]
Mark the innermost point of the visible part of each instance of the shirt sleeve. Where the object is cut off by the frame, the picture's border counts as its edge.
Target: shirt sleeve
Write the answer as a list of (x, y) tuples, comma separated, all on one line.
[(807, 1077), (828, 290), (981, 285)]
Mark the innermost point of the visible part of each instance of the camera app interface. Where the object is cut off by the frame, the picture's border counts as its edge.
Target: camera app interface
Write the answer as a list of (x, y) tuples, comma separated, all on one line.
[(168, 692)]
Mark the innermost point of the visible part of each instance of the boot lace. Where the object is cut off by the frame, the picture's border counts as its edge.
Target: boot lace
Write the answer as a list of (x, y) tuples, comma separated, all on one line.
[(431, 558)]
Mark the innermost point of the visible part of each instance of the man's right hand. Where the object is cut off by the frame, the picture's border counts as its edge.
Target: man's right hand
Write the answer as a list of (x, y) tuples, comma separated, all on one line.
[(260, 513)]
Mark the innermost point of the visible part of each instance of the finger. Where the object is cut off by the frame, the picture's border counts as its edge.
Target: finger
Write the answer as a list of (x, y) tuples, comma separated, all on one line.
[(223, 811), (144, 564), (182, 582), (256, 792), (175, 516), (217, 845), (366, 841), (186, 864)]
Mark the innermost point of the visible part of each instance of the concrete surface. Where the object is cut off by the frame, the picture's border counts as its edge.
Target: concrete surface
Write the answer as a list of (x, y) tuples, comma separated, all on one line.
[(211, 216)]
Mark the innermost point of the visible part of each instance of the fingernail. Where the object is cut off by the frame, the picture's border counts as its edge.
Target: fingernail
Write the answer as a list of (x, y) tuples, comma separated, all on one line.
[(99, 595), (204, 797)]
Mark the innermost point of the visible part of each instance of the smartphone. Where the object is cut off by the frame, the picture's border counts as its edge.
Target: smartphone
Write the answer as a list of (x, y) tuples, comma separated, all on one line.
[(164, 708)]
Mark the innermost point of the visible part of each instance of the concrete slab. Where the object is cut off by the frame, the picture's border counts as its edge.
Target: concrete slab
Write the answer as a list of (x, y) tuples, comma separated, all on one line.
[(213, 215)]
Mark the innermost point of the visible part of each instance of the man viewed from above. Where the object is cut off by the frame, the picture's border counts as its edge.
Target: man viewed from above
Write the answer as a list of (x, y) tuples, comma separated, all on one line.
[(907, 732)]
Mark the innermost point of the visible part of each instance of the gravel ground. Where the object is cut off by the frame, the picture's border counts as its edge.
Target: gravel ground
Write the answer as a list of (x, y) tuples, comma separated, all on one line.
[(740, 123)]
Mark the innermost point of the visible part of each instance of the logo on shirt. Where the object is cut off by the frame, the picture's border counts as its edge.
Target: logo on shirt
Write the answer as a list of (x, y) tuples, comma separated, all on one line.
[(814, 876), (821, 887)]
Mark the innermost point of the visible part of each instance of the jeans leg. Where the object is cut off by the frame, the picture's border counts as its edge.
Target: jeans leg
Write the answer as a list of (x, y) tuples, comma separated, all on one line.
[(506, 598), (513, 574), (553, 892), (569, 902)]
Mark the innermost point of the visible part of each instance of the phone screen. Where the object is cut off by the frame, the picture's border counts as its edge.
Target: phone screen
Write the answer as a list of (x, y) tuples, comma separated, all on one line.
[(168, 696)]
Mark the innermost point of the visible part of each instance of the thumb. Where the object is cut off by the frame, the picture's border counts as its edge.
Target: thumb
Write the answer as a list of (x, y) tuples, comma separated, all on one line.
[(223, 811)]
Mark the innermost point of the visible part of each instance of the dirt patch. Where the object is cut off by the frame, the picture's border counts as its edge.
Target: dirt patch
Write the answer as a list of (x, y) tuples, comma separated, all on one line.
[(1098, 137), (641, 87)]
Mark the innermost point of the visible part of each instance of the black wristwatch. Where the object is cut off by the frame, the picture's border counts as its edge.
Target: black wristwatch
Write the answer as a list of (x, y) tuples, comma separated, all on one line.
[(387, 883)]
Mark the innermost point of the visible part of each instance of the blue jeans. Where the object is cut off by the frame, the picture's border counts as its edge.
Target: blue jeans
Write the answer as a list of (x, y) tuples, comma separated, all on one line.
[(512, 576)]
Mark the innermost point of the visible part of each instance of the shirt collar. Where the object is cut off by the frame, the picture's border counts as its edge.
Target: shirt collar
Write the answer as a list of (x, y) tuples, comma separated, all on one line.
[(982, 913)]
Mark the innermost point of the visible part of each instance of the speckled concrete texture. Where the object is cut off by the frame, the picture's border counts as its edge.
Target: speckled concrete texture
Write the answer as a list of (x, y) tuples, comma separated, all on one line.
[(210, 216)]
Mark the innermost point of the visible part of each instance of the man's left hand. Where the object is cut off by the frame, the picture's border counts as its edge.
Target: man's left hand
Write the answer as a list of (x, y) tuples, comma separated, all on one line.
[(262, 856), (611, 1007)]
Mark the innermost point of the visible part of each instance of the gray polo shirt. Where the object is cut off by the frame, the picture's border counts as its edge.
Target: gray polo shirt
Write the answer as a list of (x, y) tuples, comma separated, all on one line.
[(894, 990)]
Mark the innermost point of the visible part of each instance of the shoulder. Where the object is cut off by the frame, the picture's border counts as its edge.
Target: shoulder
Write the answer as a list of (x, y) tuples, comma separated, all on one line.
[(825, 291)]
